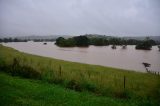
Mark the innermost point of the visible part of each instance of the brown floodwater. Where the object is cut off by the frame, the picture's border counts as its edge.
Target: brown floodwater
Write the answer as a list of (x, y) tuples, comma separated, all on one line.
[(128, 58)]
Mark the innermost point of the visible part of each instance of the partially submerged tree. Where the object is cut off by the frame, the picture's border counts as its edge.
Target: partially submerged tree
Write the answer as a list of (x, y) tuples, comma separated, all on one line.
[(124, 46), (60, 41), (159, 47), (71, 42), (81, 41), (146, 44), (113, 46)]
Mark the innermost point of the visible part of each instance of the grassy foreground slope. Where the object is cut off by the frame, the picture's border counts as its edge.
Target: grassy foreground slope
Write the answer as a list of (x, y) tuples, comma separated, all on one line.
[(20, 91), (102, 84)]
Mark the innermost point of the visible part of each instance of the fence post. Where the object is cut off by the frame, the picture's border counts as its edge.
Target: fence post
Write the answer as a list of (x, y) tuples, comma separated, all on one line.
[(124, 81), (89, 74), (60, 70)]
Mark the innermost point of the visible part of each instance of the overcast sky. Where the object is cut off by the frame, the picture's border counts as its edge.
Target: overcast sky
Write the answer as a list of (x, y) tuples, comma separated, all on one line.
[(75, 17)]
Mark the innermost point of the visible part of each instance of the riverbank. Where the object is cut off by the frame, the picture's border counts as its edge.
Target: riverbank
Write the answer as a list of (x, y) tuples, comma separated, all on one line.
[(128, 58), (96, 80)]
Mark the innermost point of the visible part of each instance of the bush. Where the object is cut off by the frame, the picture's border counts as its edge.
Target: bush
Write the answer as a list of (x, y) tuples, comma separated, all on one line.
[(121, 94), (74, 85), (15, 69), (71, 42), (145, 45), (89, 86)]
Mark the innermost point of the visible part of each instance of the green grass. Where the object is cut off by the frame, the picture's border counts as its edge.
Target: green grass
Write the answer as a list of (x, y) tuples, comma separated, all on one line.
[(17, 91), (105, 82)]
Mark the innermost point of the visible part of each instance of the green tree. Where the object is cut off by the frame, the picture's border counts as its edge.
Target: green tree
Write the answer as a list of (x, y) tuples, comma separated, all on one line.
[(145, 45), (60, 41), (159, 47), (81, 41)]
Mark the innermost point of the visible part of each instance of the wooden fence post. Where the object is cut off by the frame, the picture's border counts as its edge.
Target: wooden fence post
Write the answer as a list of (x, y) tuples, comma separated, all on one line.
[(124, 82), (60, 70)]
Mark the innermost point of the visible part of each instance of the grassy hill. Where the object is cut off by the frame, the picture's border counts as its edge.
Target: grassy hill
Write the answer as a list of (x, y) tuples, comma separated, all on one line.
[(19, 91), (57, 82)]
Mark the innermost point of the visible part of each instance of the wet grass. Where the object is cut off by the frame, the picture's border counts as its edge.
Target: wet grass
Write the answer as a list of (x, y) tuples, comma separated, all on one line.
[(98, 80), (16, 91)]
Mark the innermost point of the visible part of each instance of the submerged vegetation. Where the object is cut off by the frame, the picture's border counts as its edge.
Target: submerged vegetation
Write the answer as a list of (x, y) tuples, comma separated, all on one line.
[(103, 41), (90, 39), (71, 42), (97, 80), (146, 44), (159, 47), (113, 47)]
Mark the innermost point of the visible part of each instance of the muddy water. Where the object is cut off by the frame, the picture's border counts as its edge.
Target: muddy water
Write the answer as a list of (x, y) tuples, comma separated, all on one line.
[(128, 58)]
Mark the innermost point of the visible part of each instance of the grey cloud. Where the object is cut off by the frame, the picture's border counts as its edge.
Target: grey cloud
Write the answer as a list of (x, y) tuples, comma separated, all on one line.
[(74, 17)]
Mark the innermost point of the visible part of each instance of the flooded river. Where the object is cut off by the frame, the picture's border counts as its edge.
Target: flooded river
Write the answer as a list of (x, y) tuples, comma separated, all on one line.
[(128, 58)]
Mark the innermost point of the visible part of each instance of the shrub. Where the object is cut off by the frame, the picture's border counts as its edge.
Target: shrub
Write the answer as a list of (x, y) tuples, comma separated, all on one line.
[(121, 94), (89, 86), (15, 69), (145, 45), (74, 85)]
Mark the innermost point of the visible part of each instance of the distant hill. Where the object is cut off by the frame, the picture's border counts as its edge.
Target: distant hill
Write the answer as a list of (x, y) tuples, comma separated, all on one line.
[(97, 36), (155, 38), (36, 37)]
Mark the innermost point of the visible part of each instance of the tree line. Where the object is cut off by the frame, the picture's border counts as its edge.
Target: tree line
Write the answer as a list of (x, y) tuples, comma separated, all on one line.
[(74, 41), (84, 41), (99, 41), (25, 40), (12, 40)]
